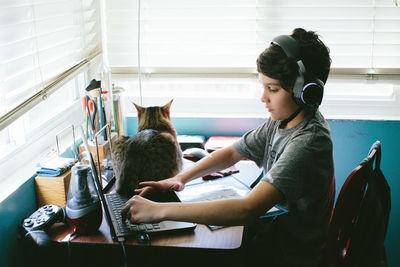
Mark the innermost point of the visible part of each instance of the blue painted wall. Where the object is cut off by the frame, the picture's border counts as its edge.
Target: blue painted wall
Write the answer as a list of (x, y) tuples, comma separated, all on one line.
[(351, 139), (13, 209)]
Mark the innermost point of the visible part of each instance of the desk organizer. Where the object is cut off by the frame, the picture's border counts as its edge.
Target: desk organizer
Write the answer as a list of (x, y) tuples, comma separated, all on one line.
[(104, 149), (103, 152)]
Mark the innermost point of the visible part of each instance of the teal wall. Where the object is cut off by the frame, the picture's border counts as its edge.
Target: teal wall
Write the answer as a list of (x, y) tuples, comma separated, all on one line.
[(351, 140), (13, 209)]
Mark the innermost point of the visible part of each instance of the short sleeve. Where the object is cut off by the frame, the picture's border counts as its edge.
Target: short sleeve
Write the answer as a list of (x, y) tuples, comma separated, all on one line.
[(252, 144)]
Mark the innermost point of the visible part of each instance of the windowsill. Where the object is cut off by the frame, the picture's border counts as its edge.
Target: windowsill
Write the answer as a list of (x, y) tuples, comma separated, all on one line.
[(20, 164), (346, 97)]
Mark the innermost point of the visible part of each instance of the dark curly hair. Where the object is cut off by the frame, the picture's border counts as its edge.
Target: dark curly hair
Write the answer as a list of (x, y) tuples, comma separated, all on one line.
[(274, 63)]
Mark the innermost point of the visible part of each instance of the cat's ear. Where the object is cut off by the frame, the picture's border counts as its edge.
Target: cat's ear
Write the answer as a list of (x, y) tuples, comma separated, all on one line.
[(166, 108), (138, 108), (168, 105)]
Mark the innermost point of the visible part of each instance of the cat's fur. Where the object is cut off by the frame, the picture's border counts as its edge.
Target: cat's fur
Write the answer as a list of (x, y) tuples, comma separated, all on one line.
[(151, 154)]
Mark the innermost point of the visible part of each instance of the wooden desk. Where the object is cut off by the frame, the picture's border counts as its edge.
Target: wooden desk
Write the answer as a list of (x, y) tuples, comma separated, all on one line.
[(202, 244)]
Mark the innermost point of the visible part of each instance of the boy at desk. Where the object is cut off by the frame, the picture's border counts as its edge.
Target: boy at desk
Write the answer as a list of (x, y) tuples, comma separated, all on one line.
[(294, 148)]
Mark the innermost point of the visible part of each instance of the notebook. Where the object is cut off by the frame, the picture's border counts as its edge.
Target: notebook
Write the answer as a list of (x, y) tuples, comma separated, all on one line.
[(112, 204)]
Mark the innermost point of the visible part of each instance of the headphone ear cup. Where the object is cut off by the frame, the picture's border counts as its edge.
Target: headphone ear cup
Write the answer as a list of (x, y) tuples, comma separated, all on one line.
[(312, 95)]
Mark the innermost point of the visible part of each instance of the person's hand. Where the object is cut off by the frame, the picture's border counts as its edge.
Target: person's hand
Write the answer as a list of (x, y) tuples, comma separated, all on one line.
[(163, 185), (140, 210)]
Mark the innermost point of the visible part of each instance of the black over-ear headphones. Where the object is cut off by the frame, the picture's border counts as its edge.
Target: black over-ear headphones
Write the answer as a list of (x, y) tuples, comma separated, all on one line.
[(307, 90)]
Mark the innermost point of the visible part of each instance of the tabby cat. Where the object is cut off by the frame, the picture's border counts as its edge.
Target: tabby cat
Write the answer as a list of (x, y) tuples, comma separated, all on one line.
[(153, 153)]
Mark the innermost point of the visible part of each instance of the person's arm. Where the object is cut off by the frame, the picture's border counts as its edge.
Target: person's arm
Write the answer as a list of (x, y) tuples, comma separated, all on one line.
[(222, 212), (216, 161)]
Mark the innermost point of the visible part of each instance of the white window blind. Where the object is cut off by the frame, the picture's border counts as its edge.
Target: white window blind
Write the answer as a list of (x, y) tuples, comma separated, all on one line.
[(224, 36), (39, 39), (178, 34), (361, 34)]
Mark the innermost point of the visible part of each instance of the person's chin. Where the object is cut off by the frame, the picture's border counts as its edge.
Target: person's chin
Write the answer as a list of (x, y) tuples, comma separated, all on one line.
[(273, 116)]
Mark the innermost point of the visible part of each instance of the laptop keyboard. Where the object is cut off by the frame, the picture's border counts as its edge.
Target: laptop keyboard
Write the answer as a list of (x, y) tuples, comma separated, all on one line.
[(116, 202)]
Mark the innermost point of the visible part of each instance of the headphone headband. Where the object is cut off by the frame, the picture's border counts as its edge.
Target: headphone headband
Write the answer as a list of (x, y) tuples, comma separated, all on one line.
[(289, 46), (307, 89)]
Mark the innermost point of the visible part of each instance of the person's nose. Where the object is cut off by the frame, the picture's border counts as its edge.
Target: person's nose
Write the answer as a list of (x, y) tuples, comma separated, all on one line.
[(265, 97)]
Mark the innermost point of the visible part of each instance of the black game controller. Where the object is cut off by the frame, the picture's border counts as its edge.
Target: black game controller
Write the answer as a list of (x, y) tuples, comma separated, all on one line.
[(36, 244), (43, 218), (34, 227)]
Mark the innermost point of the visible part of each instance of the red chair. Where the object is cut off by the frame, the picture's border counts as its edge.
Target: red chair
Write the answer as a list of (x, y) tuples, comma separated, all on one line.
[(360, 217)]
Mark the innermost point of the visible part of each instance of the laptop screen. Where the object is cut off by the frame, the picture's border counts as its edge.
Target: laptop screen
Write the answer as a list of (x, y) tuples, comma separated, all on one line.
[(97, 182)]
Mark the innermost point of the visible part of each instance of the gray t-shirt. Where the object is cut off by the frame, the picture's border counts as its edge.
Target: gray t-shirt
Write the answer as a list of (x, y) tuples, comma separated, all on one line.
[(299, 163)]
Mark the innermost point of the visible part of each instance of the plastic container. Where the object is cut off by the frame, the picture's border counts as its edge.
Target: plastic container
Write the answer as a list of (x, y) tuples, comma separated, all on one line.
[(84, 213)]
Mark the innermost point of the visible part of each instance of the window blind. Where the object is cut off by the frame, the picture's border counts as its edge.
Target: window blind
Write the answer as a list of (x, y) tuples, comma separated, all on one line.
[(361, 34), (227, 36), (179, 34), (39, 40)]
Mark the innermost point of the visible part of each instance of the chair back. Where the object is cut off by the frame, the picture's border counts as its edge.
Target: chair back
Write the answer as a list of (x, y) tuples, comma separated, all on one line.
[(360, 217)]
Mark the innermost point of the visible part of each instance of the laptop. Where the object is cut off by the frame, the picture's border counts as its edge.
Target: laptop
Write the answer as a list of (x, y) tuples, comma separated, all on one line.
[(112, 205)]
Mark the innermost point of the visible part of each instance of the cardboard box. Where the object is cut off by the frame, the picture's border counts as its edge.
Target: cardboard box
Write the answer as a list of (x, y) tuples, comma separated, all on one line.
[(52, 190)]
